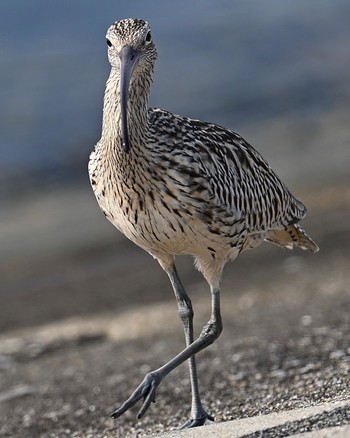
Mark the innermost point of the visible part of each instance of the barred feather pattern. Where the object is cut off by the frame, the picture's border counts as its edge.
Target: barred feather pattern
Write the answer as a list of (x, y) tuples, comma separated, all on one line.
[(186, 186)]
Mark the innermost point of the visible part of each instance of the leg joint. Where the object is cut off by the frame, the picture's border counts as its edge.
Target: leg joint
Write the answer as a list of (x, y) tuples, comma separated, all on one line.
[(212, 330), (185, 309)]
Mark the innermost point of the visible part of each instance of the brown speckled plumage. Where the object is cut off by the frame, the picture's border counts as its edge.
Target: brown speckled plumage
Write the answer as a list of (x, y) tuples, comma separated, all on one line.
[(184, 186)]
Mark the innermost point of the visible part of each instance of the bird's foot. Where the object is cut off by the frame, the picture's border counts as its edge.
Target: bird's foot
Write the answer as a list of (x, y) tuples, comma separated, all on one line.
[(146, 390), (196, 422)]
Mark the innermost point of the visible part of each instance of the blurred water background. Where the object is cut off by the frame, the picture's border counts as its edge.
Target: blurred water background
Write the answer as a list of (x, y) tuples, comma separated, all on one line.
[(277, 72)]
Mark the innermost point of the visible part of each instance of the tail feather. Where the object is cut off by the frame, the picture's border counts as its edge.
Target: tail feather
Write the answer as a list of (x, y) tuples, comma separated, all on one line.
[(290, 237)]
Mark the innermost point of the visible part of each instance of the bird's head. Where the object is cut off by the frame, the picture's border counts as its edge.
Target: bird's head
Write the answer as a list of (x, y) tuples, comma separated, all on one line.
[(131, 51)]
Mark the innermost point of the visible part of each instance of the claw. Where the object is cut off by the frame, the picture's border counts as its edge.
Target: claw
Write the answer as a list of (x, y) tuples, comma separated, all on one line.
[(146, 390)]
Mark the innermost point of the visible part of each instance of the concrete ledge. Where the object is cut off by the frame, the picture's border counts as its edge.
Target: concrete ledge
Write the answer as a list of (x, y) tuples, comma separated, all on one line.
[(272, 425)]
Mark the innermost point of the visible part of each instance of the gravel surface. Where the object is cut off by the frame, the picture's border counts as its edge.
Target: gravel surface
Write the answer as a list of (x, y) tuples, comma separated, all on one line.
[(285, 345)]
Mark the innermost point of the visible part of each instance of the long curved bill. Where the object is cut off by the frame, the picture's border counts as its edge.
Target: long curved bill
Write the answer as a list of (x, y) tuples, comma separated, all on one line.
[(129, 59)]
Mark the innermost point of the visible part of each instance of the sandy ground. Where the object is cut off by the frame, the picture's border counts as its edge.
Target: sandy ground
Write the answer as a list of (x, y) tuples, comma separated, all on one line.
[(80, 330)]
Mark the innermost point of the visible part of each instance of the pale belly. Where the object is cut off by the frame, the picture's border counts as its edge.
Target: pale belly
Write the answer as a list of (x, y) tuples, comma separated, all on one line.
[(160, 231), (160, 224)]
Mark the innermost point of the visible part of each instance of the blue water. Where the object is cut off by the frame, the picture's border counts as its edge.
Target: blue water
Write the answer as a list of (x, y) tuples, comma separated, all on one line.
[(224, 61)]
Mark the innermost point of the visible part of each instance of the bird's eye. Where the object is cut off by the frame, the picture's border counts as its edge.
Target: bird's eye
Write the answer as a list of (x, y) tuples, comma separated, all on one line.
[(109, 43), (149, 37)]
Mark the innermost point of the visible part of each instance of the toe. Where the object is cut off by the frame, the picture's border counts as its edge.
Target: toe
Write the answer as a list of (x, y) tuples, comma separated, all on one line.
[(196, 422)]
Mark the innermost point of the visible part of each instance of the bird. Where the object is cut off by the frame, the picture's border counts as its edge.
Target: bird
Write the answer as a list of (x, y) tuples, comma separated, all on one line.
[(179, 186)]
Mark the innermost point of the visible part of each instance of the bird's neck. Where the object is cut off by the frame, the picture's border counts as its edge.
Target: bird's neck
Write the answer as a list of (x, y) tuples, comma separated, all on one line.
[(137, 117)]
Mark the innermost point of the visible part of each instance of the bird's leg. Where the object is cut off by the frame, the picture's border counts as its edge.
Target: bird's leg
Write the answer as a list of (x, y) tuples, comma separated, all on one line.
[(147, 389), (198, 415)]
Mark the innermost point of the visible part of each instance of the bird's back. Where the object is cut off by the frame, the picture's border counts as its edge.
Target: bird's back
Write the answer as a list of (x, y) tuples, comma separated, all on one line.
[(222, 171), (227, 183)]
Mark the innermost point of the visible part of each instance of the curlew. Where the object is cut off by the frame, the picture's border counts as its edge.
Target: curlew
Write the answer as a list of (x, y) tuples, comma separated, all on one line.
[(174, 186)]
